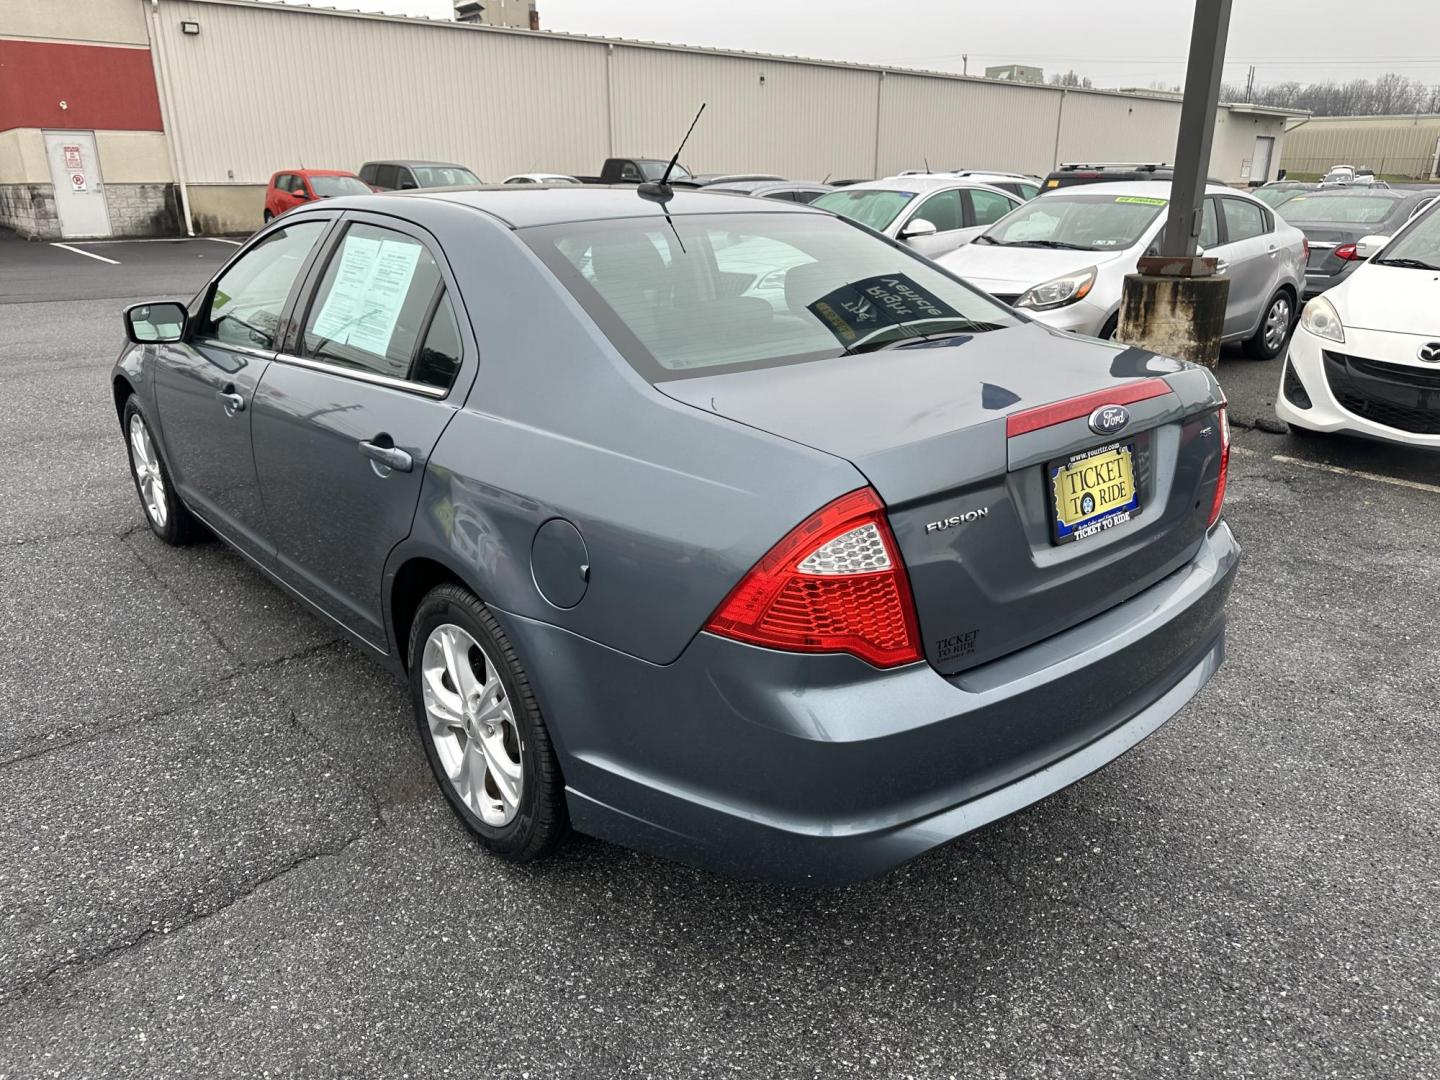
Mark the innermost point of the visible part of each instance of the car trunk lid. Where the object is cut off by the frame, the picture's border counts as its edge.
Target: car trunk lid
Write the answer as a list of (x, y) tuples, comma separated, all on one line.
[(948, 435)]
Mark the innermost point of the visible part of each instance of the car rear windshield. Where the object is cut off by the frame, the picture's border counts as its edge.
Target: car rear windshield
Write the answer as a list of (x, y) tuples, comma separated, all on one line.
[(869, 207), (654, 170), (331, 187), (1337, 209), (1077, 220), (723, 292), (1273, 197), (443, 176)]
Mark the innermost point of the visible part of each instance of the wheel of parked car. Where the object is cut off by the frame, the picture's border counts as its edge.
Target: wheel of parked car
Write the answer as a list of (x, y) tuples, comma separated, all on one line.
[(166, 514), (1270, 338), (1111, 327), (268, 217), (481, 727)]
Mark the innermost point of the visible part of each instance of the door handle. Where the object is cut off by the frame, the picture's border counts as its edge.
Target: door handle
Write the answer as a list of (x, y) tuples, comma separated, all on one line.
[(233, 402), (1222, 265), (392, 457)]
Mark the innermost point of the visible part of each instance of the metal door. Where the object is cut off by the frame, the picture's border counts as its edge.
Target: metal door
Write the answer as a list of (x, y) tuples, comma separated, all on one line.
[(79, 189), (1260, 160)]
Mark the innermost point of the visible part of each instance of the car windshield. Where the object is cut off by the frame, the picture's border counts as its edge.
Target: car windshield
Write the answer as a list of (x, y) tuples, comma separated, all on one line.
[(330, 187), (1338, 177), (724, 292), (1337, 209), (654, 170), (1418, 247), (871, 206), (1077, 220), (443, 175)]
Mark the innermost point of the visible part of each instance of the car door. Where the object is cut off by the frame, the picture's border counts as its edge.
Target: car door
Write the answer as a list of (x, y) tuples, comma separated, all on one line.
[(1251, 254), (944, 210), (347, 416), (204, 386), (984, 208)]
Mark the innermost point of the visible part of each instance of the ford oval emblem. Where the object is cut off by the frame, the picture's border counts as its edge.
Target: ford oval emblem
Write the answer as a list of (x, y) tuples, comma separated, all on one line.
[(1109, 419)]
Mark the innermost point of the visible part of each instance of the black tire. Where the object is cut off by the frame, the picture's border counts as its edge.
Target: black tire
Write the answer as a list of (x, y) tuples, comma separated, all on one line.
[(178, 527), (1109, 330), (540, 820), (268, 217), (1262, 346)]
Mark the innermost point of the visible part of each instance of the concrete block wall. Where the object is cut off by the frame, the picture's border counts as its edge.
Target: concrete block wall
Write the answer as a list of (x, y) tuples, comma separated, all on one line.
[(29, 209), (143, 209)]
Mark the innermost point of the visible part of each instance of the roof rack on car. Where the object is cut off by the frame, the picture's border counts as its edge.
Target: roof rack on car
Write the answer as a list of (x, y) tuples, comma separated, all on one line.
[(1136, 166)]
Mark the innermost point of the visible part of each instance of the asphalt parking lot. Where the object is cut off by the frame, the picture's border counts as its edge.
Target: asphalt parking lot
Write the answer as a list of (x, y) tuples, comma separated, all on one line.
[(223, 854)]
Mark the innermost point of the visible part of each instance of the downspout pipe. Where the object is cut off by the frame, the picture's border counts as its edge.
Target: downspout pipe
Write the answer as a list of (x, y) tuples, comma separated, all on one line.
[(167, 115)]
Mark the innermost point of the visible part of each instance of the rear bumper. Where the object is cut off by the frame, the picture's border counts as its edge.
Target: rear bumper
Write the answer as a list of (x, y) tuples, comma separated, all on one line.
[(1315, 284), (821, 770)]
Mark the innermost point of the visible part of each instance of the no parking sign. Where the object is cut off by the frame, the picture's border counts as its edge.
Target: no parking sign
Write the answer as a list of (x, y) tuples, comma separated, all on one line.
[(77, 181)]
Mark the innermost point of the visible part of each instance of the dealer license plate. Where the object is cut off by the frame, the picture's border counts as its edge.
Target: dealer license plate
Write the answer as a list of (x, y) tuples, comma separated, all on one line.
[(1093, 491)]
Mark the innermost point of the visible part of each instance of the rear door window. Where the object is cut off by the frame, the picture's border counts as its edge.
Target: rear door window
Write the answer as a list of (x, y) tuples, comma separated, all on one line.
[(374, 302), (245, 306), (386, 177), (988, 206), (1244, 220)]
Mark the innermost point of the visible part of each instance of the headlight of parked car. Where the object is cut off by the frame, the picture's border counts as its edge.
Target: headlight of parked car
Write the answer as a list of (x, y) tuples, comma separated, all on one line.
[(1059, 291), (1322, 320)]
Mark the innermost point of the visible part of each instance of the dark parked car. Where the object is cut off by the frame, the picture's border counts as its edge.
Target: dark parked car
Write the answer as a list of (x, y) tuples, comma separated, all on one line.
[(409, 175), (636, 171), (1335, 219), (800, 191), (796, 592), (1280, 191)]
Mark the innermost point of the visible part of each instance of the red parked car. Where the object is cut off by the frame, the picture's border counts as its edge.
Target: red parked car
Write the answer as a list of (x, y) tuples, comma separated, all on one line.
[(296, 186)]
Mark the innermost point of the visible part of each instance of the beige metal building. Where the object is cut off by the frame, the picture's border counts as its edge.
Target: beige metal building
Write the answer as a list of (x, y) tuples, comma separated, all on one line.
[(247, 88), (1401, 146)]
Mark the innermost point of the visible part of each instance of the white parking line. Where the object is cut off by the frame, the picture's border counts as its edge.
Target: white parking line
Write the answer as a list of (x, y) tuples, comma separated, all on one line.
[(220, 240), (1416, 485), (87, 254)]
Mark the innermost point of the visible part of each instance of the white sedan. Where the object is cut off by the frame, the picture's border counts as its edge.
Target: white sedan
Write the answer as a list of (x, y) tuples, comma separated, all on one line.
[(1365, 358)]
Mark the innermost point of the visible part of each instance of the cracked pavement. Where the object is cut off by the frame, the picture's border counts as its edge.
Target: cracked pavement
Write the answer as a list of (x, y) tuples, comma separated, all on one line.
[(222, 853)]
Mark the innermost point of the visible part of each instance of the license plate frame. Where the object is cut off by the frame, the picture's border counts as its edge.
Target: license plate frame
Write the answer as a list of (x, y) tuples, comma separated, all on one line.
[(1112, 513)]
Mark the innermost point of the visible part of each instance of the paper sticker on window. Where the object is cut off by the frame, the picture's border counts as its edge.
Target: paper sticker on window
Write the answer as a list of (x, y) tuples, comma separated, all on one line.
[(1143, 200), (855, 311), (370, 288)]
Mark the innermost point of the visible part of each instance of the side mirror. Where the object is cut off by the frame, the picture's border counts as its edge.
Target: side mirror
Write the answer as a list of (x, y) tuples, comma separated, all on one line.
[(918, 227), (408, 185), (1367, 246), (146, 324)]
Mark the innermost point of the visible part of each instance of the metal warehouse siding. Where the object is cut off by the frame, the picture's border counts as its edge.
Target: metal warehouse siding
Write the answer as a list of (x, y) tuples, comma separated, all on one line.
[(264, 87), (261, 89), (1387, 144), (1099, 127), (961, 124), (815, 119)]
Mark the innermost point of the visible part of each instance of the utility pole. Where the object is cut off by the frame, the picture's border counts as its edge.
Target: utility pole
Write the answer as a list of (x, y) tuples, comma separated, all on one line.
[(1176, 305), (1250, 84), (965, 61)]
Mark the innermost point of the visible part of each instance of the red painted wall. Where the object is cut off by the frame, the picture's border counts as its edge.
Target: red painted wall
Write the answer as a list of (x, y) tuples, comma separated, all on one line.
[(103, 86)]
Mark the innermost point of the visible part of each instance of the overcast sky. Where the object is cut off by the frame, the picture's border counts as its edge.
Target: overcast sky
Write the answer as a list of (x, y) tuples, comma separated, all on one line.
[(1114, 42)]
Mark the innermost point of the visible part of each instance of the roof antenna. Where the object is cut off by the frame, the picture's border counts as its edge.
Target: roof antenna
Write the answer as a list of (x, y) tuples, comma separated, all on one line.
[(660, 190), (927, 165), (827, 177)]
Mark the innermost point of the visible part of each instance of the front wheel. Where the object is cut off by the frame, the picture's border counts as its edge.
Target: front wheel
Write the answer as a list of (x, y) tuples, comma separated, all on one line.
[(1274, 328), (268, 216), (164, 511), (482, 730)]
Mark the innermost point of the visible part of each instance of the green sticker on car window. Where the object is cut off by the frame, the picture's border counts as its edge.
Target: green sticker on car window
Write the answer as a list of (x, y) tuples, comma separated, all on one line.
[(1143, 200)]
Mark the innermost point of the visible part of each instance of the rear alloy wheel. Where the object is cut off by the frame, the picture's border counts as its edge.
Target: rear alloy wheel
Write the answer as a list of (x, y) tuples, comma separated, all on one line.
[(164, 511), (481, 728), (1274, 328)]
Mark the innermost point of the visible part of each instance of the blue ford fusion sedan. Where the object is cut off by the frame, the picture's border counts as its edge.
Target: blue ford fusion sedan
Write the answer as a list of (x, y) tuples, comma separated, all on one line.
[(724, 529)]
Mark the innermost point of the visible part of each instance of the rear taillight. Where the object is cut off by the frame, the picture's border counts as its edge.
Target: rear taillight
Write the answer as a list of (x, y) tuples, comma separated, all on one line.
[(1305, 251), (834, 583), (1224, 468), (1346, 252)]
